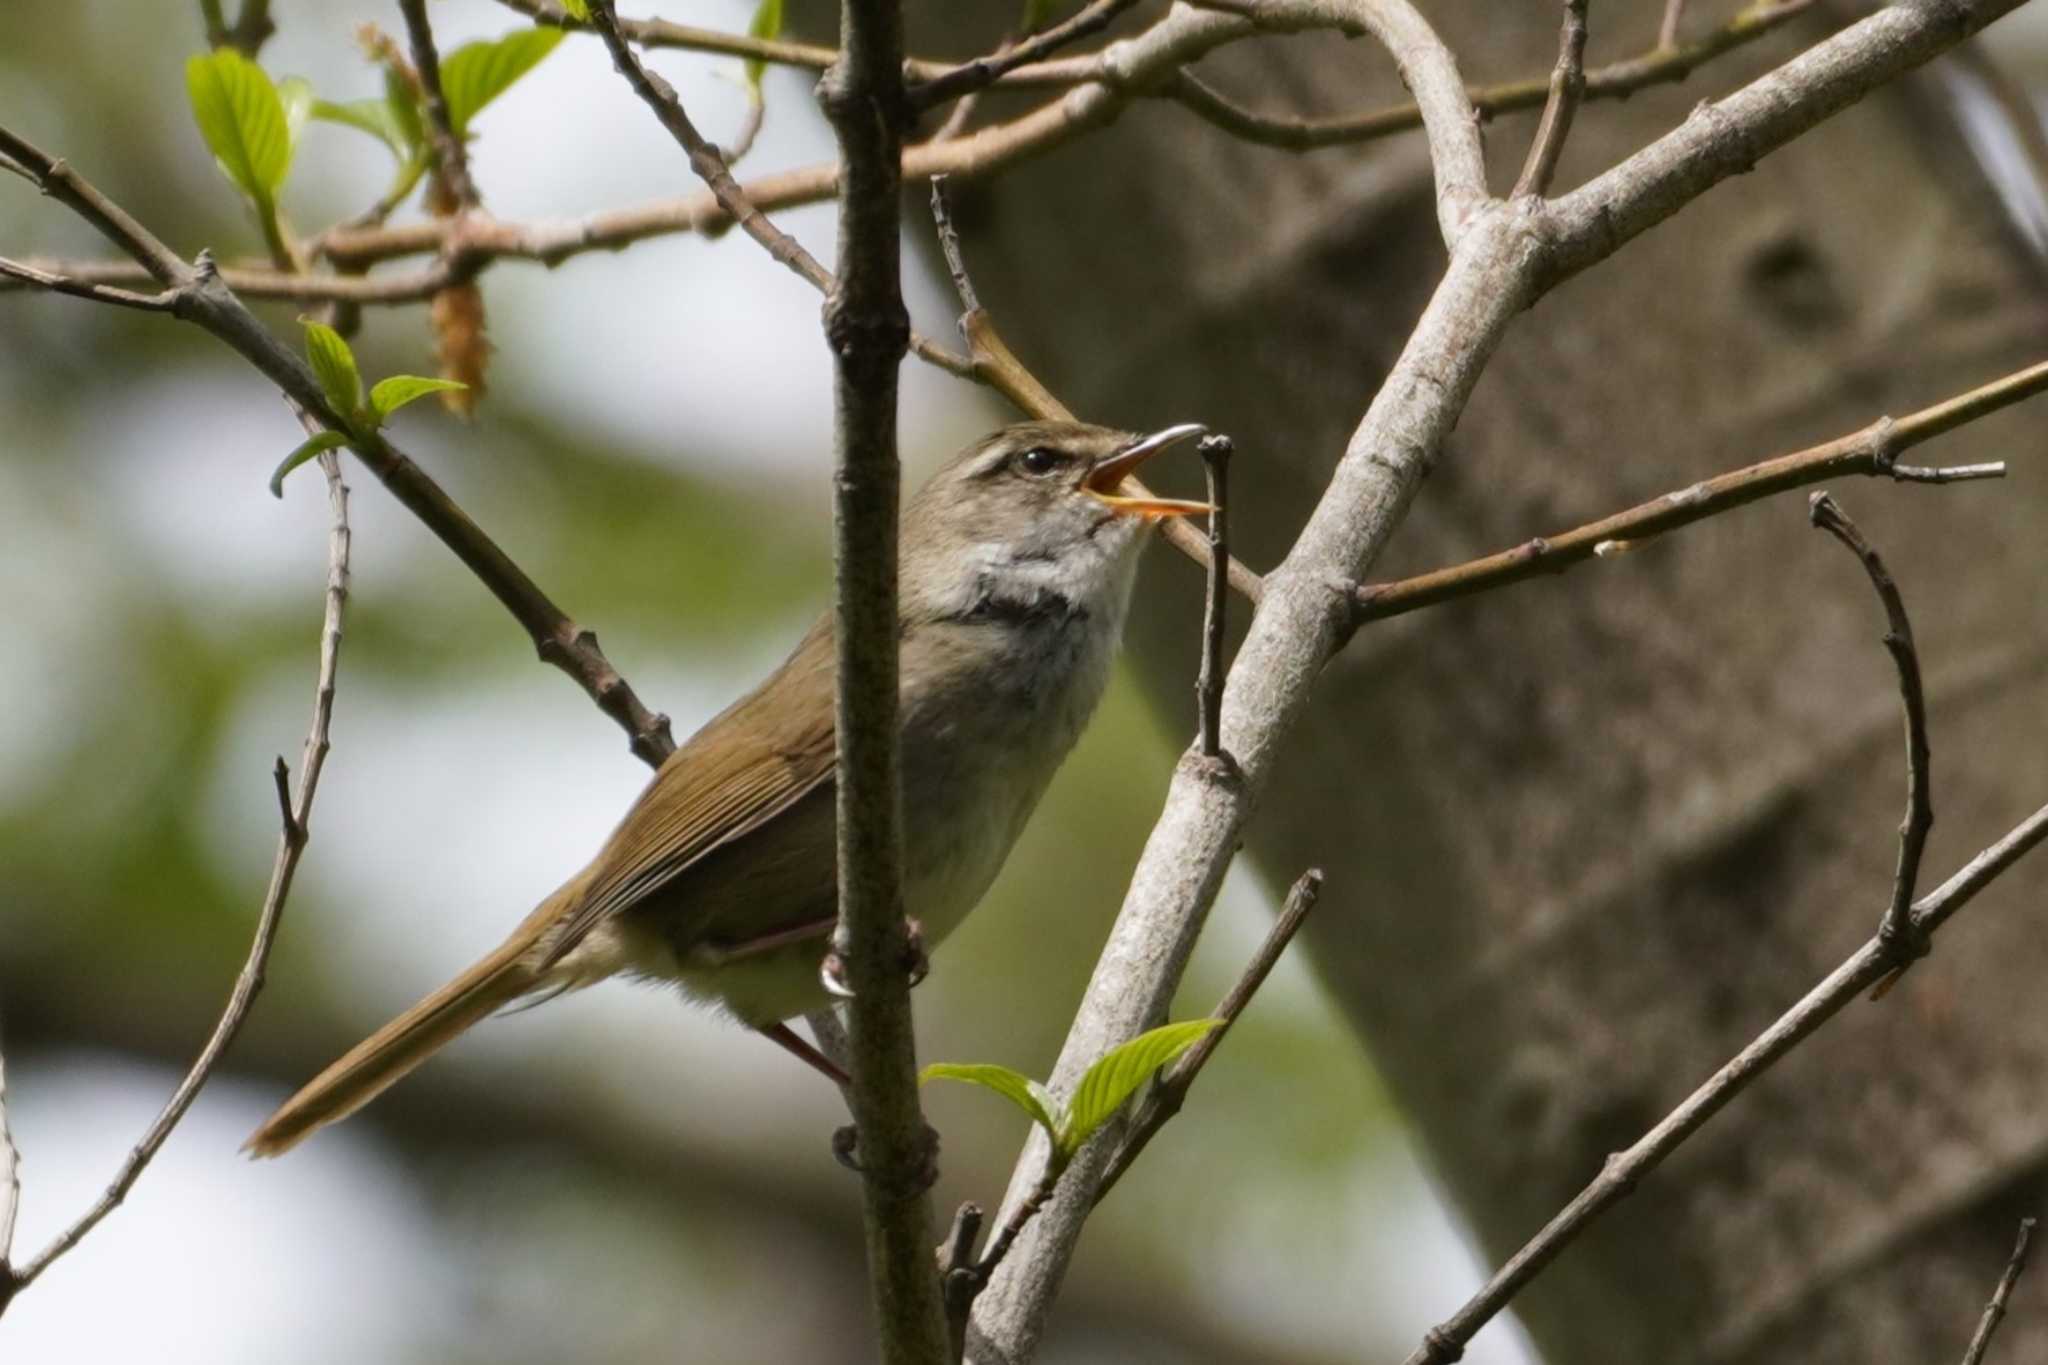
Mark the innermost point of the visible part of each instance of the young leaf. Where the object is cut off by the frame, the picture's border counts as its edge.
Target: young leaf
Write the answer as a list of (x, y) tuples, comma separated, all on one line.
[(391, 394), (477, 73), (335, 364), (578, 9), (1116, 1076), (368, 116), (768, 25), (314, 445), (1013, 1086), (243, 121)]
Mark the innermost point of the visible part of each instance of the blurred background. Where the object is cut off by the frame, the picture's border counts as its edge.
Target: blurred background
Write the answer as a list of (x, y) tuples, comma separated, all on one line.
[(617, 1177)]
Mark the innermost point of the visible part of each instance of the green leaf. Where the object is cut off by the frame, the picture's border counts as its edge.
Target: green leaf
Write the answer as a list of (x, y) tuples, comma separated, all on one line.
[(335, 364), (314, 445), (768, 25), (404, 100), (243, 121), (394, 393), (1013, 1086), (1117, 1074), (477, 73), (370, 116), (578, 9)]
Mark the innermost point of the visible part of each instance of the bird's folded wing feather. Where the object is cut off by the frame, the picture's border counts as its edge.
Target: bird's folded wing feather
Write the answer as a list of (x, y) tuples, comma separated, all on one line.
[(754, 761)]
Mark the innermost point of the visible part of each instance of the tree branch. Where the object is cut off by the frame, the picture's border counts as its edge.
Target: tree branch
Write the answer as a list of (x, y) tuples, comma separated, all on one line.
[(296, 820), (982, 72), (1872, 451), (1567, 88), (451, 160), (868, 329), (1994, 1311), (1895, 930), (1865, 967)]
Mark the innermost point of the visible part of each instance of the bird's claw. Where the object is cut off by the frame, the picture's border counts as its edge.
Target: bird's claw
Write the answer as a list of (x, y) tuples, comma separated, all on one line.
[(917, 964)]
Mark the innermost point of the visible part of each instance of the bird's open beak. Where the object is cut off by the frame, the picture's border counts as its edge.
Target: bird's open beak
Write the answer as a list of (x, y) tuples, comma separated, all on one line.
[(1106, 479)]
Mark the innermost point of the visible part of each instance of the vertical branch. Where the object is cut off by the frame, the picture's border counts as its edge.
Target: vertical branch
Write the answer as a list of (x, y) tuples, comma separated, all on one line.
[(869, 332), (451, 162), (1215, 452), (1567, 89), (1896, 928)]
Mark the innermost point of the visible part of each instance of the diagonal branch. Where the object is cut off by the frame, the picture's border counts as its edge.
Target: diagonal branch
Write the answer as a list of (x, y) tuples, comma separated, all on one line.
[(982, 72), (1171, 1092), (1873, 451), (201, 297), (1624, 1170), (296, 817), (1994, 1311)]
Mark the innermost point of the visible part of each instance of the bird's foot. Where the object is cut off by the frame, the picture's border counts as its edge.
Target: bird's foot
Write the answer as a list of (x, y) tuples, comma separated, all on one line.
[(916, 963)]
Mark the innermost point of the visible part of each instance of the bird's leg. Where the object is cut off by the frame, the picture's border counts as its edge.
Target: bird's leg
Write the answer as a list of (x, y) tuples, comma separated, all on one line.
[(782, 1035), (917, 965), (713, 953)]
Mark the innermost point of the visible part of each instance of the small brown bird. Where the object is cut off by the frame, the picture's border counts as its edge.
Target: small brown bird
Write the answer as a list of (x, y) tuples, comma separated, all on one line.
[(1017, 560)]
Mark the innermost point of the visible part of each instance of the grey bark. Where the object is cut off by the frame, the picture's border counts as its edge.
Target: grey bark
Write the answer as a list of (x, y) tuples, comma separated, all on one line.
[(1590, 834)]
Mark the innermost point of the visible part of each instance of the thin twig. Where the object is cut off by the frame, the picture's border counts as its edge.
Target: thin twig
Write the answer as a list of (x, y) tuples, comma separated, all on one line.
[(1567, 88), (1617, 80), (1171, 1091), (1215, 451), (982, 72), (1895, 930), (957, 1280), (705, 159), (1667, 30), (202, 297), (291, 844), (162, 302), (1994, 1311), (451, 159), (652, 33), (1624, 1170), (1871, 451)]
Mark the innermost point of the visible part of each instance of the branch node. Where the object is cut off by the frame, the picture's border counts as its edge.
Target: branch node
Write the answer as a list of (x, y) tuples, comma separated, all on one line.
[(294, 832)]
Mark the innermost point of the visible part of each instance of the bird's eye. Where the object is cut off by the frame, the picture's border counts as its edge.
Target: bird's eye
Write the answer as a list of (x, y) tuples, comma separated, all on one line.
[(1039, 461)]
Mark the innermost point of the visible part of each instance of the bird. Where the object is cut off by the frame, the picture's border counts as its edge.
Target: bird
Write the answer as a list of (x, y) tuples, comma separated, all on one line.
[(1016, 565)]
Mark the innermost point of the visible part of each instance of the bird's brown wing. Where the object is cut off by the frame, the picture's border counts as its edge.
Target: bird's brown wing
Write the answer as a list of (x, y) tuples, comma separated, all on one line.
[(753, 762)]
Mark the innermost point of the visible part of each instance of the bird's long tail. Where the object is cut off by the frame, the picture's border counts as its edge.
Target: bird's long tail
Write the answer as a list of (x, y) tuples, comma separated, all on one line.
[(394, 1050)]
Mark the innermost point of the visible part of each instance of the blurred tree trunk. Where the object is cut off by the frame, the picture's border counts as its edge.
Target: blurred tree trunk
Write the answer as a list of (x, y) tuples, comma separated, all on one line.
[(1586, 837)]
